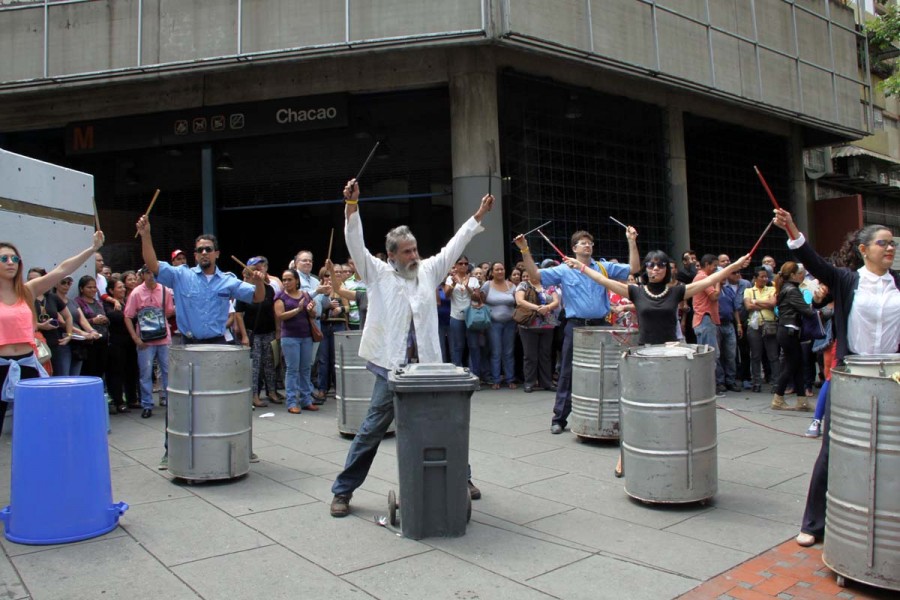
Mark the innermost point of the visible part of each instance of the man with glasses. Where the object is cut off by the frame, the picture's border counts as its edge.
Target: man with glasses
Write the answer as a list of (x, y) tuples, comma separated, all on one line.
[(586, 301), (201, 293)]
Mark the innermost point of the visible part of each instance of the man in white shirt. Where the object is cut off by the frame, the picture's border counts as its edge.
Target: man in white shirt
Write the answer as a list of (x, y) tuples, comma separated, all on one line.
[(402, 323)]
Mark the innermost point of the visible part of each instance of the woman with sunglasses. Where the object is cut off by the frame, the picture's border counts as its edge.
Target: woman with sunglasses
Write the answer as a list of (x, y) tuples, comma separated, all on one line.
[(18, 318), (866, 320), (655, 300)]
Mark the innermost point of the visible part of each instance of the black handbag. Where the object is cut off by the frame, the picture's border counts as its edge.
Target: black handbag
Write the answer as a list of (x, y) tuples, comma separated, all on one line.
[(811, 327)]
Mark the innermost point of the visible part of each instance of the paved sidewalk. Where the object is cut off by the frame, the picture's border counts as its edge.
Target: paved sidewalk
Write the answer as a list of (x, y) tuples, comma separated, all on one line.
[(553, 522)]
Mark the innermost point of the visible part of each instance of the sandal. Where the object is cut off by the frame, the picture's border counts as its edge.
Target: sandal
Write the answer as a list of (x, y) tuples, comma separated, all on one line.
[(512, 386), (260, 403), (276, 399), (495, 386), (294, 410), (619, 471)]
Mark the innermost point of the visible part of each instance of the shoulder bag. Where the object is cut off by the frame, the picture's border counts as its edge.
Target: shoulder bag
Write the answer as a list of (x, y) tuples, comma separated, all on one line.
[(478, 319), (313, 328), (523, 315), (151, 321)]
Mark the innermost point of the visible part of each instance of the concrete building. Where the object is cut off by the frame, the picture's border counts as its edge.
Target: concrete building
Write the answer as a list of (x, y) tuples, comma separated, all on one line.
[(251, 114)]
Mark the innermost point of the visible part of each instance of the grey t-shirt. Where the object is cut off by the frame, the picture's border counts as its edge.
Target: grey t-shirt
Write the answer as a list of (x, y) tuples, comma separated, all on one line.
[(502, 304)]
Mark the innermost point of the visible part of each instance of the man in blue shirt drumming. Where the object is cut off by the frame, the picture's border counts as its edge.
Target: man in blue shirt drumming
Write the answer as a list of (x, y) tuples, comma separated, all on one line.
[(586, 302), (202, 292)]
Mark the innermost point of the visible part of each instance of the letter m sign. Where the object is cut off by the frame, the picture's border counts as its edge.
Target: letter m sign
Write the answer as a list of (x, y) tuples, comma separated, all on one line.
[(83, 138)]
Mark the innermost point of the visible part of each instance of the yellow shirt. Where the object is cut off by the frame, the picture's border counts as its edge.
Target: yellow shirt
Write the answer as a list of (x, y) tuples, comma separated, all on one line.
[(754, 293)]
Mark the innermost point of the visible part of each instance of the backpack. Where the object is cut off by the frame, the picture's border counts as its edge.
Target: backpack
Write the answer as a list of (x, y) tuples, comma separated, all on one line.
[(151, 321)]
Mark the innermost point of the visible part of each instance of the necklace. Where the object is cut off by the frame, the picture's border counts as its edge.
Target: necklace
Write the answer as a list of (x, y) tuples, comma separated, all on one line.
[(655, 296)]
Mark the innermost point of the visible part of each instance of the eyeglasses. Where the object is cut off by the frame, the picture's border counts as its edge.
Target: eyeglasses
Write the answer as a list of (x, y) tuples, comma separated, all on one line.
[(584, 243), (5, 258), (880, 243), (655, 265), (205, 250)]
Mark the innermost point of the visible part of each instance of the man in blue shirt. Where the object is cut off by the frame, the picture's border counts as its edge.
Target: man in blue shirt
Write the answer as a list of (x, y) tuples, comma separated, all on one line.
[(202, 292), (587, 303), (731, 303)]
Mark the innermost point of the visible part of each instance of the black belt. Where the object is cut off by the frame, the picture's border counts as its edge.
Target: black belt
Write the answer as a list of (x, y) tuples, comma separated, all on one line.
[(588, 322), (214, 340)]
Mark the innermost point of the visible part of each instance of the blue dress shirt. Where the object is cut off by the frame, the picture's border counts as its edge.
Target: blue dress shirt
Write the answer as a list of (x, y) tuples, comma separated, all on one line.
[(585, 298), (202, 302)]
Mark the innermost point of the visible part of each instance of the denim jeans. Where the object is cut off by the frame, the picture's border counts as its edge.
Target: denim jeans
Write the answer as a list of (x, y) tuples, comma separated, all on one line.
[(325, 357), (460, 338), (728, 359), (503, 344), (368, 438), (298, 362), (145, 365), (61, 360), (707, 333)]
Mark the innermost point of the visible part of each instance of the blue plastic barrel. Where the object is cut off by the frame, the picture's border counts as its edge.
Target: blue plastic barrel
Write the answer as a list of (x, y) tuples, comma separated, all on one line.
[(60, 486)]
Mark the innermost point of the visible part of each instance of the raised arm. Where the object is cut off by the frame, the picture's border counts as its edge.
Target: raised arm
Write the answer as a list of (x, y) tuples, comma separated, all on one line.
[(530, 267), (815, 264), (45, 283), (147, 251), (612, 285), (692, 289), (634, 260)]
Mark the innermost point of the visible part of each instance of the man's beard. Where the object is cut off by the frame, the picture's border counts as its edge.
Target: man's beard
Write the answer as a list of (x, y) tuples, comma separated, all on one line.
[(408, 271)]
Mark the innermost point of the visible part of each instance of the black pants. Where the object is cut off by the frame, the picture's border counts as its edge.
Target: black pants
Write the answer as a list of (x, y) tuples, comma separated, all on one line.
[(536, 346), (814, 515), (95, 362), (121, 373), (26, 373), (792, 369), (763, 352)]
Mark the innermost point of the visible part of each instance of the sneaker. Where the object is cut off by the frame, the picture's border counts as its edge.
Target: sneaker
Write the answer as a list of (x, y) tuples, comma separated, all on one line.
[(253, 457), (720, 391), (815, 429), (556, 429), (340, 506), (164, 463), (163, 402), (474, 492), (734, 388)]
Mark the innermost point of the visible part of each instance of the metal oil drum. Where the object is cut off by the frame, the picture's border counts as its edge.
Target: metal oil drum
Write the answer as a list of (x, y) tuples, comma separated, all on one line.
[(354, 383), (595, 380), (862, 516), (669, 437), (209, 415)]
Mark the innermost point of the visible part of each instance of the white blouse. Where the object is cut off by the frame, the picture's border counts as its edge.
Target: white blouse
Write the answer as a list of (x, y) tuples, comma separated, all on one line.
[(873, 326)]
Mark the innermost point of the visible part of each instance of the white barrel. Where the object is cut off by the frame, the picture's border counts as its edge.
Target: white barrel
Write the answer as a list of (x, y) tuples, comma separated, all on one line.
[(354, 383), (668, 437), (862, 518), (595, 380), (209, 411)]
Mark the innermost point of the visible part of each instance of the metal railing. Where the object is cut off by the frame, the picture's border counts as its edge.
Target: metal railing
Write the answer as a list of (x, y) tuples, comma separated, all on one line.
[(656, 70), (139, 66)]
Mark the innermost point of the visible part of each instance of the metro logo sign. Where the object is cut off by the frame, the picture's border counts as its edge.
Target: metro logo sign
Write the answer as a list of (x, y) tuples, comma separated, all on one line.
[(83, 138)]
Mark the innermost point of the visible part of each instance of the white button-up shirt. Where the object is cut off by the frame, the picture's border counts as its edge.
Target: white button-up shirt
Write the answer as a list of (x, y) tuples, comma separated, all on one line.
[(874, 323), (394, 300)]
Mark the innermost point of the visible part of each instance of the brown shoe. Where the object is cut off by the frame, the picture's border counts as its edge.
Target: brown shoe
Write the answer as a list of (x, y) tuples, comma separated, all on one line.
[(340, 506), (275, 399), (474, 492), (311, 407), (260, 403), (294, 410), (778, 403)]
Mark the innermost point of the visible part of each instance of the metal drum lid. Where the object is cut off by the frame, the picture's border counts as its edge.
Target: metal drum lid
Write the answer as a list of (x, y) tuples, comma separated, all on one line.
[(873, 365), (436, 377), (665, 351), (213, 348)]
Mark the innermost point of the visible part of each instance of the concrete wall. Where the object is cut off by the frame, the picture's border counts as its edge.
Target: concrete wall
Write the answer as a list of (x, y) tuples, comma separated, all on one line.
[(755, 63)]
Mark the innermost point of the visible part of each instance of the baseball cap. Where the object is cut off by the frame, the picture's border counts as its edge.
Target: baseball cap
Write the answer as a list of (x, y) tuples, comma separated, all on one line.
[(144, 269), (256, 260), (176, 253), (549, 262)]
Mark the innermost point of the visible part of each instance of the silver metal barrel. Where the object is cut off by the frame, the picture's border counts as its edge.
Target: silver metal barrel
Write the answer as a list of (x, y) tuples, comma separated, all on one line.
[(862, 519), (595, 380), (669, 436), (354, 383), (209, 411)]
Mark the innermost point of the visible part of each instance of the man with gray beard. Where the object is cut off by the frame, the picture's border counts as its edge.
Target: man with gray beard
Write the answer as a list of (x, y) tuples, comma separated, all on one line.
[(402, 326)]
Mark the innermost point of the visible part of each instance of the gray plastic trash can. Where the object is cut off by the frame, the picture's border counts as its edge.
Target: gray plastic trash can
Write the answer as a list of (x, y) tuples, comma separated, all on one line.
[(432, 406)]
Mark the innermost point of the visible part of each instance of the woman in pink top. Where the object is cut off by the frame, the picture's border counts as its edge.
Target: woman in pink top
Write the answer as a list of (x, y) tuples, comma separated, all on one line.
[(17, 318)]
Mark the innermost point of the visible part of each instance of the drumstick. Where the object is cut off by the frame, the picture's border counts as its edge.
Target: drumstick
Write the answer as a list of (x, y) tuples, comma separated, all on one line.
[(535, 229), (618, 222), (330, 240), (769, 192), (238, 261), (490, 180), (149, 208), (561, 255), (366, 164), (759, 241), (96, 214)]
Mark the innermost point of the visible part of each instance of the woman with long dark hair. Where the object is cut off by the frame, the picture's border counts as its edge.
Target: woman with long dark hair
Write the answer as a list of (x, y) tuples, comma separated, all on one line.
[(91, 305), (18, 319), (294, 309), (866, 320), (791, 308), (121, 364)]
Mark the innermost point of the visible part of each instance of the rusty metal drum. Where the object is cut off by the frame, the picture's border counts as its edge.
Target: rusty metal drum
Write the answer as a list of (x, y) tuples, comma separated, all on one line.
[(862, 517), (668, 437), (595, 380), (209, 412), (354, 383)]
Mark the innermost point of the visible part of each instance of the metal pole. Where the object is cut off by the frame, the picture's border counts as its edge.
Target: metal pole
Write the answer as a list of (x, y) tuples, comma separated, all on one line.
[(46, 38), (867, 67), (140, 32), (655, 34), (797, 55), (240, 27), (759, 79), (590, 25), (709, 45), (346, 21), (837, 111)]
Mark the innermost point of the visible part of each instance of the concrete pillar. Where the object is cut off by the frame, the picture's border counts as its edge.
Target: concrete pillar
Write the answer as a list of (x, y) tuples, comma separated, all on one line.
[(475, 147), (801, 198), (678, 190), (208, 189)]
